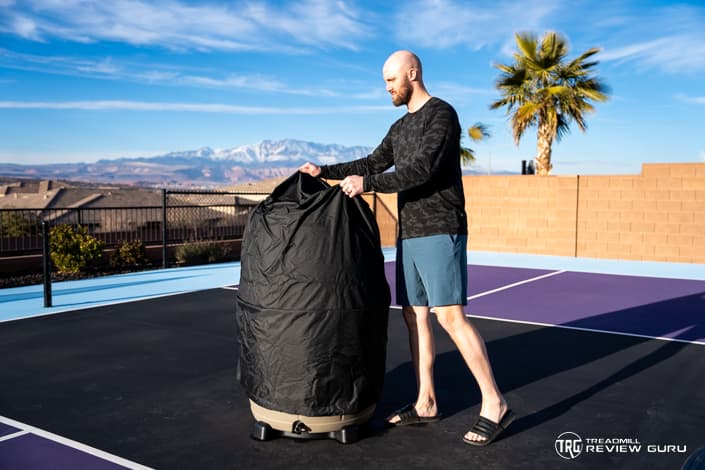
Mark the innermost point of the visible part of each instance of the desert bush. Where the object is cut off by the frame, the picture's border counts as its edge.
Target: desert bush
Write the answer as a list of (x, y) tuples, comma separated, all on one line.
[(73, 249), (16, 224), (201, 252), (129, 253)]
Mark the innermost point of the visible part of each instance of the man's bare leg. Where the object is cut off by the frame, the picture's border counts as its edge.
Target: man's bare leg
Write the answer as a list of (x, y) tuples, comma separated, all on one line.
[(472, 347), (423, 352)]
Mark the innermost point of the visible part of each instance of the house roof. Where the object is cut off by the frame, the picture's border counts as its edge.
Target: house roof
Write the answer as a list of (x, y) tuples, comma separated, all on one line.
[(48, 194), (105, 197), (263, 186), (23, 197), (51, 194)]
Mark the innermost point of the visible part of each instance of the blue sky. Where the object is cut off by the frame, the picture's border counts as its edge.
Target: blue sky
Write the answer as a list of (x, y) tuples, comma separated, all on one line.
[(82, 80)]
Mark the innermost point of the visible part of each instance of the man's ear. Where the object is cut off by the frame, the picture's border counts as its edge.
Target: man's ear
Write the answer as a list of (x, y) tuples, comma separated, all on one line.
[(411, 74)]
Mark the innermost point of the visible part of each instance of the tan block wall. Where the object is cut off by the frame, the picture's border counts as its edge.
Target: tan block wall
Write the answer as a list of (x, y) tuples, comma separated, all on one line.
[(657, 216), (385, 208), (521, 214)]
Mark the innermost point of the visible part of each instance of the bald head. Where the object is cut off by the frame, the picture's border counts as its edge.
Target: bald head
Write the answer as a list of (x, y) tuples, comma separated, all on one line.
[(403, 75), (403, 61)]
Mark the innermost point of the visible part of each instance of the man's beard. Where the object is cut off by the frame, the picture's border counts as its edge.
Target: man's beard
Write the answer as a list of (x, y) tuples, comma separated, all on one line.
[(402, 96)]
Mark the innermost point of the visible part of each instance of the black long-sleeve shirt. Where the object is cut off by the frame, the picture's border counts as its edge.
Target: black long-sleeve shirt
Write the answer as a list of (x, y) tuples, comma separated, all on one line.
[(424, 148)]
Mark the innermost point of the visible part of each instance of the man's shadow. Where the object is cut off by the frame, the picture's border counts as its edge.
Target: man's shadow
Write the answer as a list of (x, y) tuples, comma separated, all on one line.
[(542, 352)]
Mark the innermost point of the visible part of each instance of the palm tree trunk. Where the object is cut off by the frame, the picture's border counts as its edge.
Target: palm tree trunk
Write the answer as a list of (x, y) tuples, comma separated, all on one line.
[(543, 149)]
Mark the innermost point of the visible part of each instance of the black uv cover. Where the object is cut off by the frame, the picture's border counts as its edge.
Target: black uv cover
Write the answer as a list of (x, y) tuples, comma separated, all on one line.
[(313, 302)]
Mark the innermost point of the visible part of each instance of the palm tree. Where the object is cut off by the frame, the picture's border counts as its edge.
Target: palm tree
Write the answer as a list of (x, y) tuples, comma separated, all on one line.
[(544, 90), (476, 132)]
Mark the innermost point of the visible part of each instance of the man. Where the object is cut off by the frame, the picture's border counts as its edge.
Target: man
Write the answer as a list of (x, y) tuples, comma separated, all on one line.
[(424, 148)]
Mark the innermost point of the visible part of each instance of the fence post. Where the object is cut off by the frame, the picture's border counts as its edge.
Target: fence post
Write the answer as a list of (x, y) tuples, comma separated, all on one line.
[(46, 261), (164, 229)]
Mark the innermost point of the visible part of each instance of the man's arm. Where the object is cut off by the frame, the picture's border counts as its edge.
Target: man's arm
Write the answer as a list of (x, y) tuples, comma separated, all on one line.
[(381, 159), (352, 173), (424, 161)]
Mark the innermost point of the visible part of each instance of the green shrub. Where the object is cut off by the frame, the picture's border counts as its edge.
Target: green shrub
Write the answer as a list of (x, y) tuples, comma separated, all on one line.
[(201, 252), (129, 254), (73, 250), (15, 224)]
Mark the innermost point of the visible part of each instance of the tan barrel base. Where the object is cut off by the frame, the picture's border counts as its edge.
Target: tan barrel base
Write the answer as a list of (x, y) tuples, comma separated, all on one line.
[(316, 424)]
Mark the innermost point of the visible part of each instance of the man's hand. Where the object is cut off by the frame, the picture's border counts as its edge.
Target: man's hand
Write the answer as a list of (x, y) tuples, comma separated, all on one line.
[(352, 185), (310, 168)]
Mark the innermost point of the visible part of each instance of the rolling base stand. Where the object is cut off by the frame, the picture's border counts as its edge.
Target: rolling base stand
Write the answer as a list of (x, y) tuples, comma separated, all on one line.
[(263, 432)]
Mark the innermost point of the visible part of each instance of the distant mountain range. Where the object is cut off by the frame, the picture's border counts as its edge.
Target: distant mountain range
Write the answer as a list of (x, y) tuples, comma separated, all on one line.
[(202, 168)]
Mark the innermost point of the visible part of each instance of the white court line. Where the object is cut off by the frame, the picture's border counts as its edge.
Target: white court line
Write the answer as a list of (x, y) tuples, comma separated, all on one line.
[(577, 328), (13, 435), (525, 322), (26, 429), (589, 330), (509, 286), (482, 294), (106, 303)]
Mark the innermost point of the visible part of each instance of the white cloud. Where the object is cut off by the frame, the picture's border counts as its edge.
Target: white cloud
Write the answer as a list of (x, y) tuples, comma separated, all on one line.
[(447, 23), (669, 38), (103, 67), (672, 39), (690, 99), (176, 24), (111, 69), (121, 105), (251, 82), (673, 54), (25, 27), (313, 22)]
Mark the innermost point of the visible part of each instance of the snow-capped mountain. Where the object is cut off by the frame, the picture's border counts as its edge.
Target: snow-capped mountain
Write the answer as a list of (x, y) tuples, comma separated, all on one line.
[(269, 151), (203, 167)]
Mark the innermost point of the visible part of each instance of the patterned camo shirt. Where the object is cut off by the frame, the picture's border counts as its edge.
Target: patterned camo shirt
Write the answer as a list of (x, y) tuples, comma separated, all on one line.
[(424, 149)]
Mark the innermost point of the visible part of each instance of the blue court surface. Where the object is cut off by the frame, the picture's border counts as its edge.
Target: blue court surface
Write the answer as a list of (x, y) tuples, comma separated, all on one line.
[(138, 371)]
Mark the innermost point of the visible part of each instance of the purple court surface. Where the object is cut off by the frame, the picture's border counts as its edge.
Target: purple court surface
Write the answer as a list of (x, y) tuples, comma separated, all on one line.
[(647, 306), (141, 368), (28, 448)]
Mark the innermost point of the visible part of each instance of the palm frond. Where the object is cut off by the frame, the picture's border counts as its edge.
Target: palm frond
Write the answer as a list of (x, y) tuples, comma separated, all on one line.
[(479, 131), (542, 88), (467, 156), (476, 132), (526, 42)]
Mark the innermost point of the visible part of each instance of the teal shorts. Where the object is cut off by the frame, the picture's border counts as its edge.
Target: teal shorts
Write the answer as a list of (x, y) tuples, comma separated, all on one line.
[(432, 271)]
